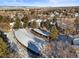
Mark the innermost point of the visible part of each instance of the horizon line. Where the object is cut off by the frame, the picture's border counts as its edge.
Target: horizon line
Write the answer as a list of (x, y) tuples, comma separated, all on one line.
[(39, 6)]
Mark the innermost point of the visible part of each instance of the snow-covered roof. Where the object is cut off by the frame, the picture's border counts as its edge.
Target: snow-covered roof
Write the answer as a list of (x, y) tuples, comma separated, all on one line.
[(52, 15), (29, 41), (39, 20), (32, 20), (42, 32), (12, 23), (22, 37), (76, 41), (44, 20), (76, 14), (12, 15)]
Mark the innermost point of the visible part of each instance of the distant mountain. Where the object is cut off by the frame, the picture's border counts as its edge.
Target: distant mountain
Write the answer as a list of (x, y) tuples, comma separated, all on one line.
[(30, 7), (17, 7)]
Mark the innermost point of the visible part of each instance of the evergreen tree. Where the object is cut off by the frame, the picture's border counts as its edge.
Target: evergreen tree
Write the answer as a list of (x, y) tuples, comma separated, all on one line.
[(17, 24), (25, 22), (34, 24), (76, 23), (3, 48), (54, 33)]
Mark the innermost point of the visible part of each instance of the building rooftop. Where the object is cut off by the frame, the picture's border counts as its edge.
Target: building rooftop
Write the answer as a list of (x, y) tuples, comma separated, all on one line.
[(34, 43), (41, 32)]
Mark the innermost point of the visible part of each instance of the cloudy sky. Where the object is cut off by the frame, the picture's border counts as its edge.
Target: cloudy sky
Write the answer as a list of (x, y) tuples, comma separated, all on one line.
[(53, 3)]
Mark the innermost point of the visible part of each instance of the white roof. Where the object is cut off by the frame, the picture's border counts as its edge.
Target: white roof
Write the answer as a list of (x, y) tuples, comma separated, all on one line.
[(32, 20), (39, 20), (76, 14), (41, 32), (22, 37), (52, 15), (12, 23), (28, 40), (76, 41)]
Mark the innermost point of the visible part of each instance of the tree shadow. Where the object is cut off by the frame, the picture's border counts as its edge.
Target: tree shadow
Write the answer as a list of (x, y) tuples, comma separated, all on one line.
[(33, 50), (65, 39), (34, 47)]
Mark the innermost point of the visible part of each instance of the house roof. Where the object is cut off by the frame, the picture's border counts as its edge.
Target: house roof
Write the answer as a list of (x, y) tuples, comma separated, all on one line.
[(32, 43), (76, 41), (41, 32)]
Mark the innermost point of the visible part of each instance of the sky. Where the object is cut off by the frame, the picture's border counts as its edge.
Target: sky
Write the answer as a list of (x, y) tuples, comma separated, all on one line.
[(42, 3)]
